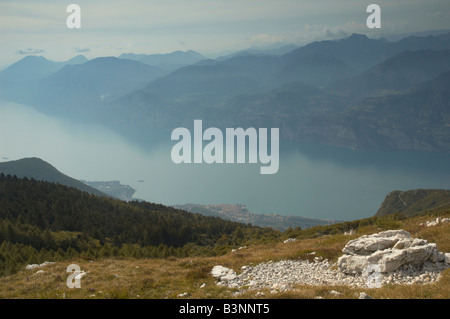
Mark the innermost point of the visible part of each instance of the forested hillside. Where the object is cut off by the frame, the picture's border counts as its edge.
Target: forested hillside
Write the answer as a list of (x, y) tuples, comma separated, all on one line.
[(42, 221)]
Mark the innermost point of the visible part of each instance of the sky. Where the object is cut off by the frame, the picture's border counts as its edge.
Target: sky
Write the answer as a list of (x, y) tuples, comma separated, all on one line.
[(211, 27)]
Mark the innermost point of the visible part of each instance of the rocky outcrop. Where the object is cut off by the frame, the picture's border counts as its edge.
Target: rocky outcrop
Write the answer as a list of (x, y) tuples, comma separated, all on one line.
[(224, 274), (391, 256), (387, 251)]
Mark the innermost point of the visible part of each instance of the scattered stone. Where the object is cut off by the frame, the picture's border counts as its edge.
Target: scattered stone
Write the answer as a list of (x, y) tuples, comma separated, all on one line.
[(335, 293), (33, 266), (184, 294), (203, 285), (350, 232), (371, 261), (290, 240), (363, 295), (435, 222)]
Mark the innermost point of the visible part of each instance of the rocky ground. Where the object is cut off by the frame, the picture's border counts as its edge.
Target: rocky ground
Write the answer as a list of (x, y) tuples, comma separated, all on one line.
[(369, 261)]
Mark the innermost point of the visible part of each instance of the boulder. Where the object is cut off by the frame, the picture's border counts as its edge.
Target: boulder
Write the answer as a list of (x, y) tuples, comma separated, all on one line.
[(223, 273), (368, 244), (387, 251), (447, 258)]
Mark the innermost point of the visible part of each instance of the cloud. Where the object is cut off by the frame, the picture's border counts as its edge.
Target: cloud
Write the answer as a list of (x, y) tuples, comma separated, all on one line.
[(29, 51), (80, 50), (336, 34), (264, 39)]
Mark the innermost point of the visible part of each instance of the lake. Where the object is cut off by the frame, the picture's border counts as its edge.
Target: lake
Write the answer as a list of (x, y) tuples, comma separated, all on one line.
[(312, 181)]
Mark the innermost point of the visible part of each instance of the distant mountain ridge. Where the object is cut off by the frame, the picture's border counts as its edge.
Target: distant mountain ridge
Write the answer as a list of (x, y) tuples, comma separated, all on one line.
[(243, 91), (83, 88), (40, 170), (398, 73), (21, 76), (33, 67), (169, 61), (417, 119), (349, 92)]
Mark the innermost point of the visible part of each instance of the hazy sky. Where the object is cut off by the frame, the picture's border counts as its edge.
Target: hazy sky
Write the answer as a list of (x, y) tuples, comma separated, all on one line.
[(211, 27)]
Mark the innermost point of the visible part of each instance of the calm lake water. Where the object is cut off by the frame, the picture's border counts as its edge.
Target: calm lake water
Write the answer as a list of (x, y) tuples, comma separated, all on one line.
[(312, 181)]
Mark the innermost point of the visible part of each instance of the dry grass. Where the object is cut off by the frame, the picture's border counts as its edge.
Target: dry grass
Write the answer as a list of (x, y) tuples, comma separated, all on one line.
[(167, 278)]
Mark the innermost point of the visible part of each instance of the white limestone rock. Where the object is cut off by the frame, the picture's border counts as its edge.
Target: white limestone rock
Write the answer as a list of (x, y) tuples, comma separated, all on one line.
[(223, 273), (368, 244), (33, 266), (437, 221), (388, 250)]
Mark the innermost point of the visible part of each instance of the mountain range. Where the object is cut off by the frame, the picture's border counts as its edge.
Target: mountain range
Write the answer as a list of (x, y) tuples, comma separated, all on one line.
[(169, 61), (354, 92), (22, 76)]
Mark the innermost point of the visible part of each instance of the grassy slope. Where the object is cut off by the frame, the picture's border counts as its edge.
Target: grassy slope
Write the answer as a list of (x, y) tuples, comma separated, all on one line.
[(166, 278), (414, 201)]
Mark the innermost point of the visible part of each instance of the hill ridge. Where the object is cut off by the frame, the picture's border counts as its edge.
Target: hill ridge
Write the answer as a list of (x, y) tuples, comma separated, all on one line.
[(38, 169)]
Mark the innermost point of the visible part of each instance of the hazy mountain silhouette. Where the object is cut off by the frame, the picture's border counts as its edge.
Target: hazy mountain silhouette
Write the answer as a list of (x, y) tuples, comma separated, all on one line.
[(21, 76), (40, 170), (82, 89), (361, 52), (34, 67), (169, 61), (414, 120), (357, 51), (319, 92), (398, 73)]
